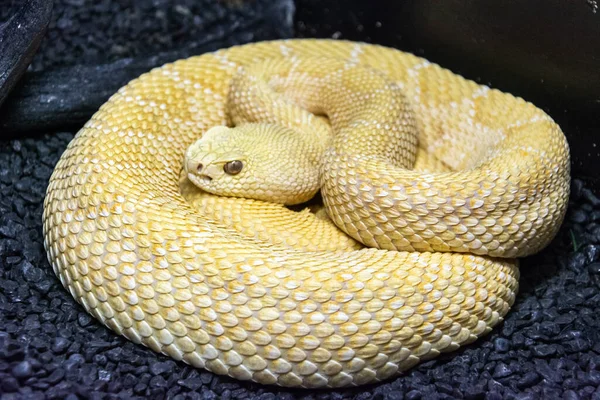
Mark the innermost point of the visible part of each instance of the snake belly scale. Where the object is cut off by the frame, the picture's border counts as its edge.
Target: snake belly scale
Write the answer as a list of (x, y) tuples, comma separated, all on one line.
[(239, 288)]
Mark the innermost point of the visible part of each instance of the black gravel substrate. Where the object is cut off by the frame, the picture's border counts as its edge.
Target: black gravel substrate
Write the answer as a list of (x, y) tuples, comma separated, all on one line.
[(548, 347), (50, 348)]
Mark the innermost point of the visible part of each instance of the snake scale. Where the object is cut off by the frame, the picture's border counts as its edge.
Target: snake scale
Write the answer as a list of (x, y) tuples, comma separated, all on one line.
[(257, 291)]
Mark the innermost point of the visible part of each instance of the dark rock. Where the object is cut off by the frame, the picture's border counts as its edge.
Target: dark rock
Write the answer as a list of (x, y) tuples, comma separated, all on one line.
[(56, 376), (501, 345), (474, 392), (21, 36), (140, 388), (206, 377), (84, 319), (158, 382), (594, 377), (570, 395), (191, 383), (526, 396), (22, 370), (414, 395), (594, 269), (577, 345), (60, 345), (543, 350), (501, 371), (579, 217), (159, 368), (74, 361), (9, 384), (104, 375), (529, 379)]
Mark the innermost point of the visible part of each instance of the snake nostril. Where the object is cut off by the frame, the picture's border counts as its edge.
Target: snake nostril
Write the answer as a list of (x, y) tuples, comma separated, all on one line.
[(199, 167)]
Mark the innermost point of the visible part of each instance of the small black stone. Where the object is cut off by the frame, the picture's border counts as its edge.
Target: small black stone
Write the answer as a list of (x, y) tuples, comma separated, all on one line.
[(100, 360), (9, 384), (159, 368), (570, 395), (22, 370), (84, 319), (114, 386), (594, 269), (56, 376), (191, 383), (60, 345), (48, 316), (445, 388), (74, 361), (104, 375), (60, 391), (394, 396), (494, 396), (206, 377), (502, 370), (529, 379), (577, 345), (129, 381), (501, 345), (543, 350), (31, 273), (579, 217), (474, 392), (9, 227), (140, 388), (594, 377), (115, 355), (40, 342), (590, 197), (414, 395), (526, 396), (549, 374), (587, 391), (158, 382), (32, 322)]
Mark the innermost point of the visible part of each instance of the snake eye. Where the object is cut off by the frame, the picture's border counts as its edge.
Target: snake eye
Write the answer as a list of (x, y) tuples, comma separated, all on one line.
[(233, 167)]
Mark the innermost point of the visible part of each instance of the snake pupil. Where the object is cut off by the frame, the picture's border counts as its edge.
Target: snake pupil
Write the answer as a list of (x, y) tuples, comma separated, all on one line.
[(233, 167)]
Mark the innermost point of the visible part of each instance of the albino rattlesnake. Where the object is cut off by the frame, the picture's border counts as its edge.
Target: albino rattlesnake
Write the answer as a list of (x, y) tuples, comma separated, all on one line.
[(212, 280)]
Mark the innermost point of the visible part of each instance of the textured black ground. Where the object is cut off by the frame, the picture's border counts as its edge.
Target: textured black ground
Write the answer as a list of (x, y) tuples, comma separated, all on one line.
[(548, 347)]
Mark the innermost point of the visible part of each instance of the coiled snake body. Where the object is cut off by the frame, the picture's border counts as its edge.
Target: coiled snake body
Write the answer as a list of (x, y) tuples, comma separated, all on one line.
[(256, 291)]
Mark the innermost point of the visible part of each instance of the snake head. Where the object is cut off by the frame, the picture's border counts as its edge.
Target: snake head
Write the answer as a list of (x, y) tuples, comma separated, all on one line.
[(214, 160), (253, 161)]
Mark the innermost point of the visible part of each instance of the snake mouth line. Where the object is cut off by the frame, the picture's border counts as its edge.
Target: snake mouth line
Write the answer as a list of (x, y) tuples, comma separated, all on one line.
[(200, 180)]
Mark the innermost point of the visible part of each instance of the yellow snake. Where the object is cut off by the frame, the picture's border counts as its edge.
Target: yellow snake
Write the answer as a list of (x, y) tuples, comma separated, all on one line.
[(256, 291)]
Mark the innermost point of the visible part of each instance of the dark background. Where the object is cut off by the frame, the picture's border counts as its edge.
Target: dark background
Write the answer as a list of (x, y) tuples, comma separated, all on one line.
[(546, 51)]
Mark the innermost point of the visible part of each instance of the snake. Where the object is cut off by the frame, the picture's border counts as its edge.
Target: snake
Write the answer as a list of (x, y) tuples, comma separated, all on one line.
[(433, 187)]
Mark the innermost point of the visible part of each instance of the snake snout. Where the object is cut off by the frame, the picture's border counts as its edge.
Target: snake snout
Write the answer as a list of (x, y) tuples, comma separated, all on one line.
[(195, 168)]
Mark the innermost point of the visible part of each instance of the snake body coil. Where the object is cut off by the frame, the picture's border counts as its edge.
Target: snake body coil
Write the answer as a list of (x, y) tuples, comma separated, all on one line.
[(258, 292)]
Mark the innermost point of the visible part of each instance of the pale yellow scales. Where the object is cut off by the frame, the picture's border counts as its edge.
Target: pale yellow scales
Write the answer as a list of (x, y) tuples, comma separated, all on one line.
[(256, 291)]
